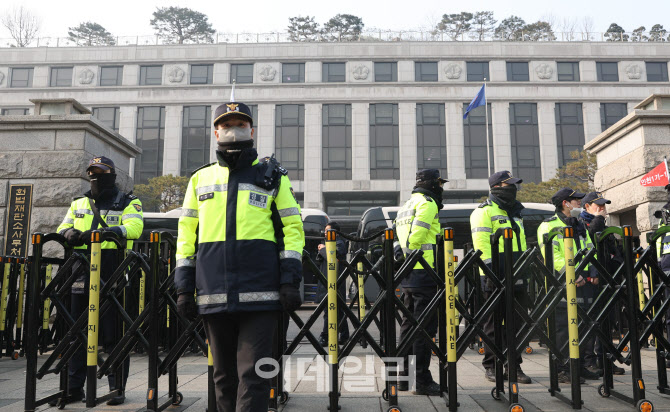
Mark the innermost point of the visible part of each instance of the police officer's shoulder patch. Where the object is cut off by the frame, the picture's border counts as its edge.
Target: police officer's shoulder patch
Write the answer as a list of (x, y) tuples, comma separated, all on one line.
[(137, 207), (202, 167), (485, 203), (131, 196), (428, 198), (550, 219)]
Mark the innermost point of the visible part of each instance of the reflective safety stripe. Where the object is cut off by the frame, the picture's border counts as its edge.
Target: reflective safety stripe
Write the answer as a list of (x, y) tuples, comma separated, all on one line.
[(291, 211), (67, 220), (482, 229), (124, 231), (258, 296), (79, 285), (84, 211), (186, 263), (211, 299), (211, 188), (421, 224), (427, 246), (245, 297), (499, 217), (253, 188), (189, 212), (487, 260), (111, 212), (556, 243), (131, 216), (406, 213), (290, 254)]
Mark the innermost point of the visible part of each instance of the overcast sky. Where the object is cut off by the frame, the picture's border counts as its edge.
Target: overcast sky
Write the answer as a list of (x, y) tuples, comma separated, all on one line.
[(131, 17)]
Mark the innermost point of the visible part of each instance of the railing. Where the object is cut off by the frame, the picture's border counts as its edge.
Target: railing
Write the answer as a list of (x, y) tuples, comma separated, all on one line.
[(365, 36)]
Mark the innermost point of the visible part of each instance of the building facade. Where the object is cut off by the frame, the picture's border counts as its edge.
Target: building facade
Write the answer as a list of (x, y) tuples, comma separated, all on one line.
[(353, 122)]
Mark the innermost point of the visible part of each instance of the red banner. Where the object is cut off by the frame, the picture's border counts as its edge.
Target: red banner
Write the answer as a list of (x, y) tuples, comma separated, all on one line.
[(657, 177)]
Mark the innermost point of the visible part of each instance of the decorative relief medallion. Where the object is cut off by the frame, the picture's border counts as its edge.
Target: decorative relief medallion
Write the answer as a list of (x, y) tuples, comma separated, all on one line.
[(453, 71), (267, 73), (544, 71), (86, 76), (634, 72), (176, 74), (361, 72)]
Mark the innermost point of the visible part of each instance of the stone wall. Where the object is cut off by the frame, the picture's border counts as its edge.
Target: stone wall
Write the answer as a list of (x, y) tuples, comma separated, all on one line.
[(52, 153)]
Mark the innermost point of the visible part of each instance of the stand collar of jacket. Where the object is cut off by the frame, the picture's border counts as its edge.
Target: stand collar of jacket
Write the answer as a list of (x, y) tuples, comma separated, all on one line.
[(246, 159), (105, 195), (428, 193), (514, 211)]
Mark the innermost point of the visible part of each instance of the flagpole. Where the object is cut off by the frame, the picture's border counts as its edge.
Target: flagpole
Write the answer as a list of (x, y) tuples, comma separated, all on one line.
[(486, 126), (665, 159)]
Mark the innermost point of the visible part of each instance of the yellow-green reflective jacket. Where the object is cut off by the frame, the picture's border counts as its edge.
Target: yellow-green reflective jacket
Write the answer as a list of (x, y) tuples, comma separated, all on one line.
[(663, 248), (417, 225), (558, 247), (485, 221), (250, 238), (127, 220)]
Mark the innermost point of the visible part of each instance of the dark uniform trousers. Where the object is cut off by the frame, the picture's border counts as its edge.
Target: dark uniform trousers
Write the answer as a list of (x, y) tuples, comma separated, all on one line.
[(108, 333), (238, 341), (342, 323), (416, 300), (520, 298)]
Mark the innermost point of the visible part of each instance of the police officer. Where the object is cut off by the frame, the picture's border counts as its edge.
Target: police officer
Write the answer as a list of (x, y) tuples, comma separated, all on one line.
[(663, 250), (248, 264), (321, 257), (417, 225), (104, 208), (567, 202), (500, 210)]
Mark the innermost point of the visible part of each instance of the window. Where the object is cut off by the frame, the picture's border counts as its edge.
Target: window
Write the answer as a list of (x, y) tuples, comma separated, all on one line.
[(14, 112), (21, 77), (293, 73), (478, 71), (569, 130), (196, 136), (333, 72), (425, 71), (151, 75), (151, 139), (611, 113), (525, 142), (61, 77), (336, 137), (607, 71), (568, 71), (386, 72), (290, 138), (201, 74), (384, 141), (242, 73), (111, 75), (431, 137), (474, 133), (657, 71), (109, 116), (517, 72)]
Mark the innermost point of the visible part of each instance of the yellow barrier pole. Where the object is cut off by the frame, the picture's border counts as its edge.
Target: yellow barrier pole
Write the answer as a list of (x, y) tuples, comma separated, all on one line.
[(331, 258), (456, 313), (19, 306), (93, 321), (451, 316), (47, 302), (3, 300), (143, 280), (573, 325), (361, 292), (640, 286)]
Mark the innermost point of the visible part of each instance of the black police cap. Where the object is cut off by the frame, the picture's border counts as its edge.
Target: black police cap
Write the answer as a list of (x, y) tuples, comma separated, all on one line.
[(427, 175), (230, 109), (104, 163), (503, 177), (595, 197), (565, 194)]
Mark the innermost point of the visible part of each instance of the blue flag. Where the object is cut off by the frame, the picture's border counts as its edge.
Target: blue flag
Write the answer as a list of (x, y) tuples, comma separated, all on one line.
[(479, 100)]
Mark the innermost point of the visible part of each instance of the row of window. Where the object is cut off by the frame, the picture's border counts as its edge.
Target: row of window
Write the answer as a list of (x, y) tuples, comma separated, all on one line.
[(384, 138), (152, 75)]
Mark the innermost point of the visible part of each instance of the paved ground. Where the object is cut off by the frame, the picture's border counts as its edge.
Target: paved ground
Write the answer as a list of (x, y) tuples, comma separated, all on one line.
[(360, 385)]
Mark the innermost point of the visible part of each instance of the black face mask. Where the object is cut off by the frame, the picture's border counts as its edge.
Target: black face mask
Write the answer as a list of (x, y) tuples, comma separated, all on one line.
[(101, 182), (230, 152), (506, 194)]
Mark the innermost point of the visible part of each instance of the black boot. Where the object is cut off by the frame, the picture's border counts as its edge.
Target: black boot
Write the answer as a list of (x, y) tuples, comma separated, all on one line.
[(76, 395), (429, 389)]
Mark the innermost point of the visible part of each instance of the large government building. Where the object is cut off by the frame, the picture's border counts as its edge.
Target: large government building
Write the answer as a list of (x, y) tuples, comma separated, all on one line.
[(352, 121)]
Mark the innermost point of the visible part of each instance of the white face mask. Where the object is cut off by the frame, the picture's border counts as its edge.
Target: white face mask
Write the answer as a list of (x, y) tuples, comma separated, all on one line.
[(234, 134), (576, 211)]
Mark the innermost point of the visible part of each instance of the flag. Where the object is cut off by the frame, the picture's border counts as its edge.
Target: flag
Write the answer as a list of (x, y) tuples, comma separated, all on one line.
[(657, 177), (479, 100)]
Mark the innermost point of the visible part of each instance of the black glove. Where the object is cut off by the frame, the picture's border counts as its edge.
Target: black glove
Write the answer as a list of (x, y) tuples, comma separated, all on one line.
[(85, 237), (72, 236), (289, 296), (186, 306)]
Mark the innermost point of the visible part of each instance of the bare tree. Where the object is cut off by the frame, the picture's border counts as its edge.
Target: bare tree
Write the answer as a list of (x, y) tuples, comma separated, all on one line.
[(569, 26), (552, 20), (586, 25), (22, 24)]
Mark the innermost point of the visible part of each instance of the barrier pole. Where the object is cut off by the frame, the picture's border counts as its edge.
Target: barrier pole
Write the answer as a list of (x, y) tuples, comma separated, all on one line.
[(513, 385), (19, 306), (642, 298), (452, 324), (389, 324), (551, 319), (361, 292), (331, 258), (142, 292), (93, 321), (3, 303), (154, 259), (32, 310), (573, 323), (47, 305)]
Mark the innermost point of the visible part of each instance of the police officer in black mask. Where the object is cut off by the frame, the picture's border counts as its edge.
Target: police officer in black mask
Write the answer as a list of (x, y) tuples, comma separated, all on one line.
[(104, 208)]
